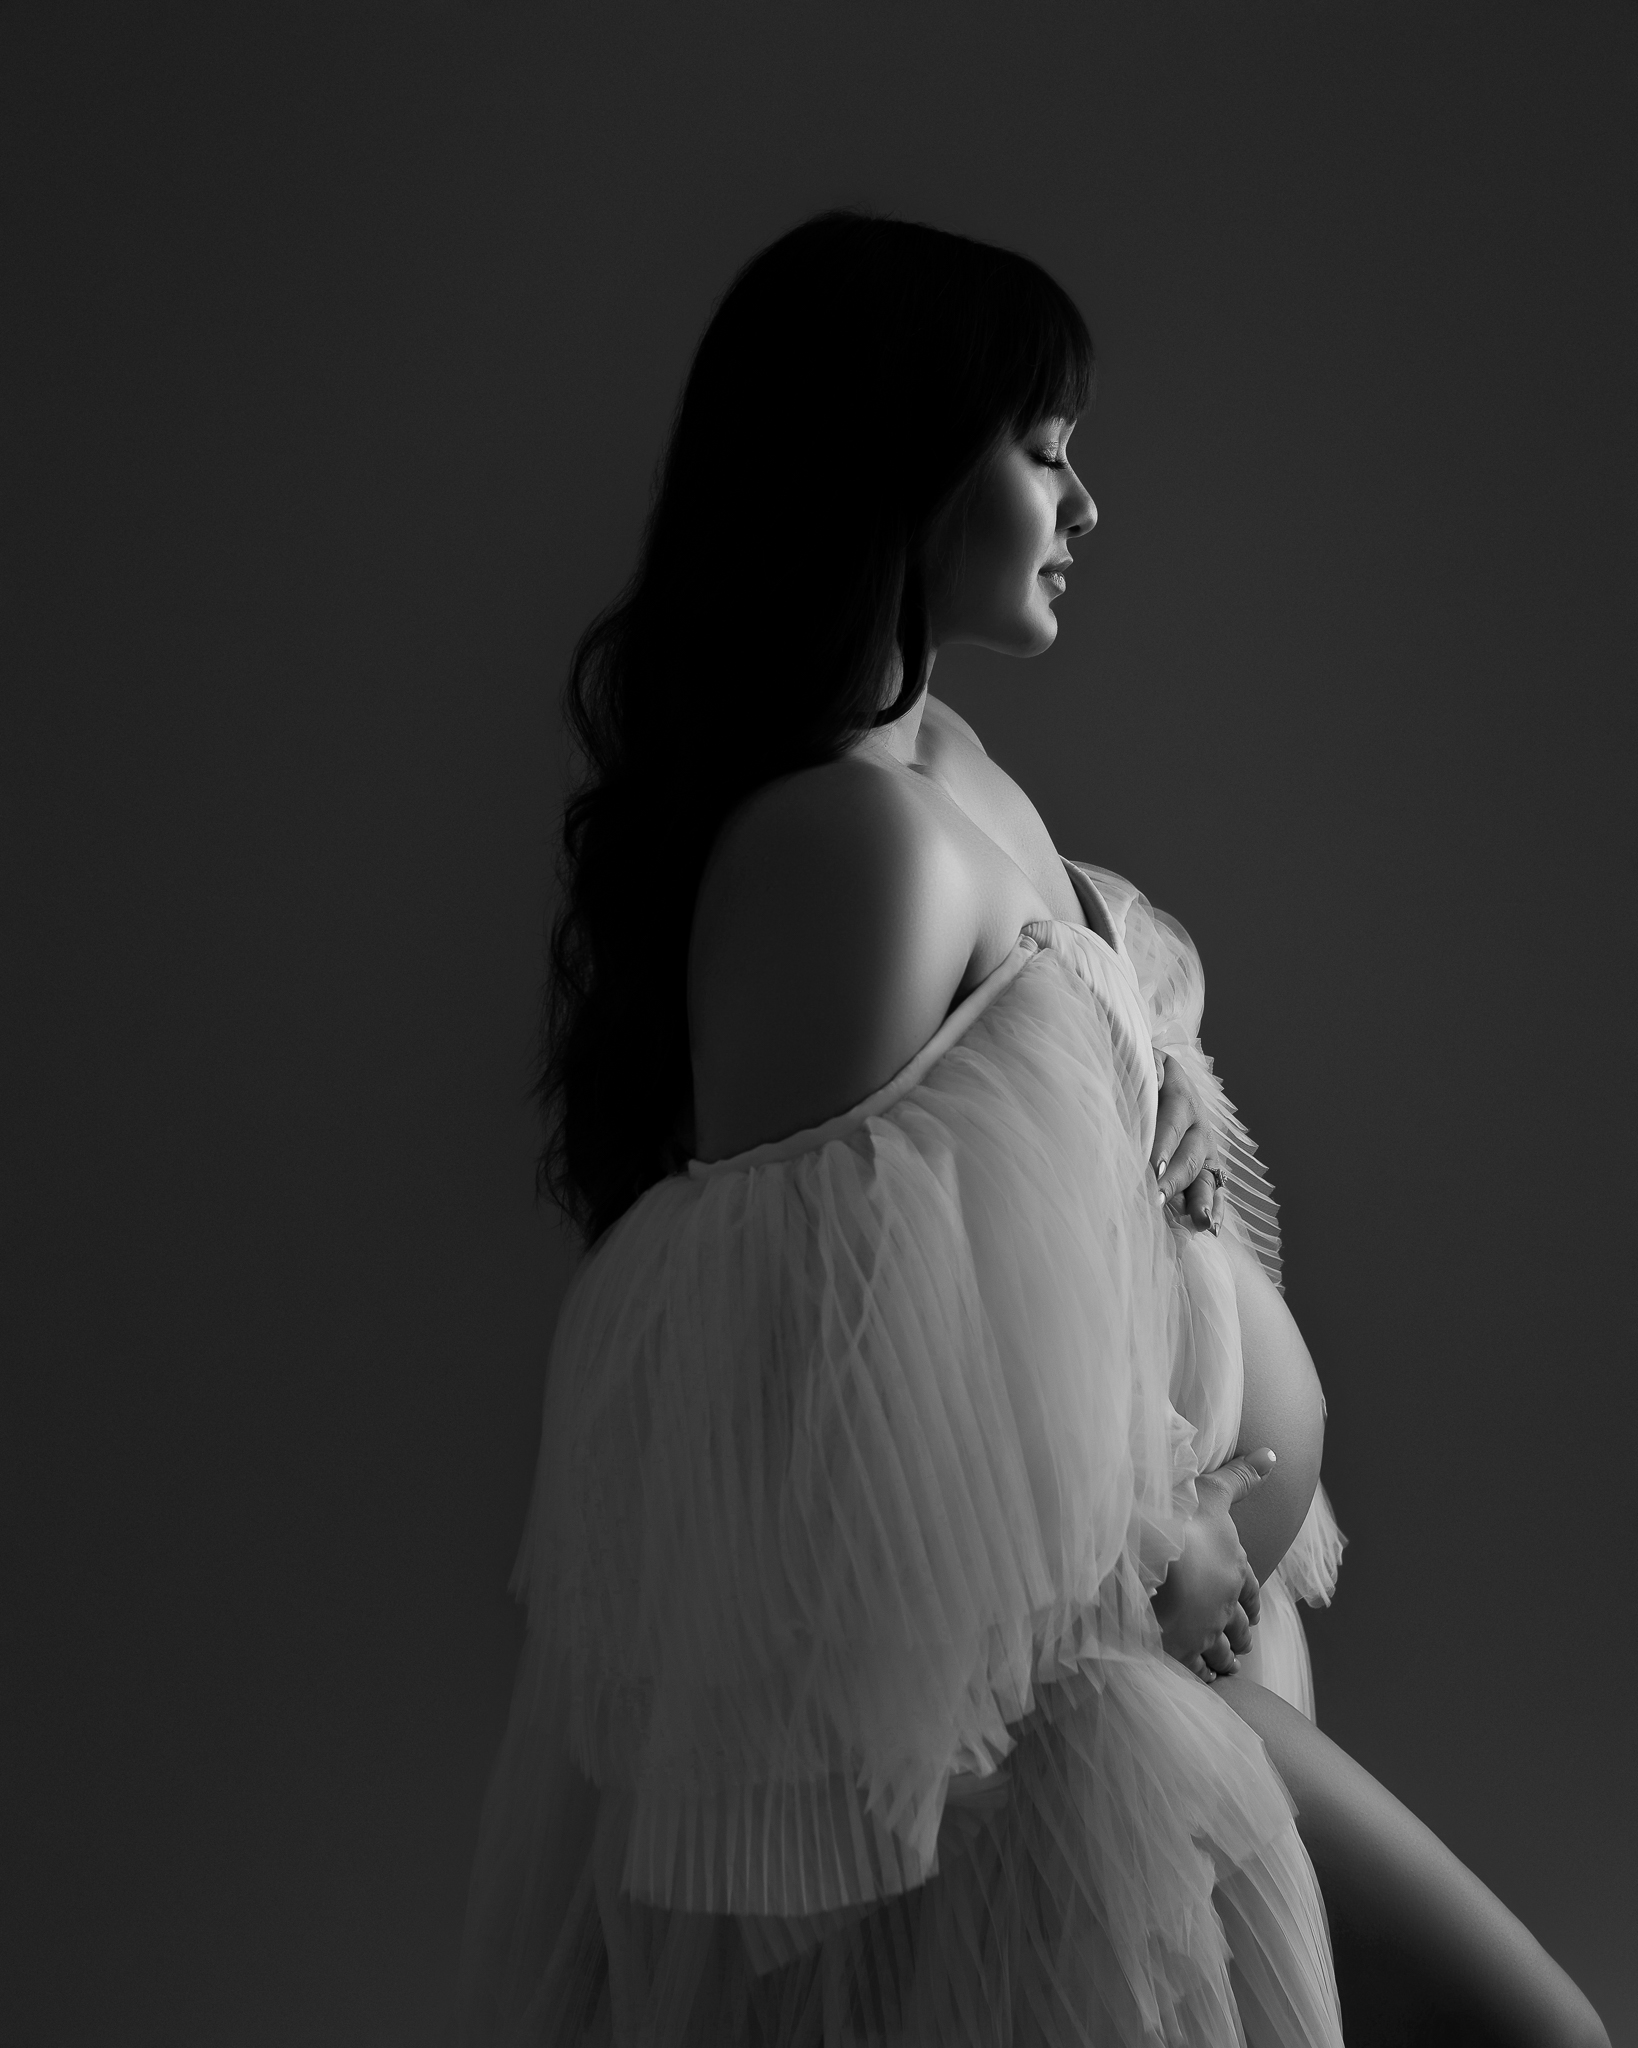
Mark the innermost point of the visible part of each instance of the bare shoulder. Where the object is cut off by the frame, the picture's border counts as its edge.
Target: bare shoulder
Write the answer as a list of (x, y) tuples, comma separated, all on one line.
[(833, 927)]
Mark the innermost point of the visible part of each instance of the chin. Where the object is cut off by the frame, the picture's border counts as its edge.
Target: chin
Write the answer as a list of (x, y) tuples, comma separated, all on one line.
[(1028, 643), (1031, 630), (1044, 633)]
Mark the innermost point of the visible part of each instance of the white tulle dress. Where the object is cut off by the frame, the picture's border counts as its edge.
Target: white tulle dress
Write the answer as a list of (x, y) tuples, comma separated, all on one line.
[(863, 1452)]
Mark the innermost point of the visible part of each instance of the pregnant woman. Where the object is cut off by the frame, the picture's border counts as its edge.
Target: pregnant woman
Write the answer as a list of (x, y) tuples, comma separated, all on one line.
[(929, 1460)]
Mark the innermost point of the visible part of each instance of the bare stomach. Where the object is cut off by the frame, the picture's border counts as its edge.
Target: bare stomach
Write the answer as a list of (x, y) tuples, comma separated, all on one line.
[(1283, 1408)]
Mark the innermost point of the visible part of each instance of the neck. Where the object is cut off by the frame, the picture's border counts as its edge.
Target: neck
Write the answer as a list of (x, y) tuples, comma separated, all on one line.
[(901, 738)]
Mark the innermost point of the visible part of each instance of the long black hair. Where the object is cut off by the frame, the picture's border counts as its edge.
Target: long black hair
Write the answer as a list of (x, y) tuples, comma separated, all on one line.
[(857, 374)]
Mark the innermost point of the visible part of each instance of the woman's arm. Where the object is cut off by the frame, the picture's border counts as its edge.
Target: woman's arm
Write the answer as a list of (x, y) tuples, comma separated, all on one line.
[(1283, 1408)]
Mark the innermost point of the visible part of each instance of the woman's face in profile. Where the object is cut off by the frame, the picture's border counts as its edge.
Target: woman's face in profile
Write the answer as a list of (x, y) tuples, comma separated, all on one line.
[(998, 555)]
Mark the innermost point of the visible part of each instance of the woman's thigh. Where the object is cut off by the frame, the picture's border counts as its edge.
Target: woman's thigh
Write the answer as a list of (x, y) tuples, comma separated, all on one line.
[(1424, 1951)]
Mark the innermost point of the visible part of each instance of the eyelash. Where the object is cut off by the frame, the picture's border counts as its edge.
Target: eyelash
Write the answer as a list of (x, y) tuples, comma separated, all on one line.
[(1053, 461)]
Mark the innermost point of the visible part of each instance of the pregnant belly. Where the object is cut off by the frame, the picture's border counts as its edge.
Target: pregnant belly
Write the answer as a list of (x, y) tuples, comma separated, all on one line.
[(1282, 1408)]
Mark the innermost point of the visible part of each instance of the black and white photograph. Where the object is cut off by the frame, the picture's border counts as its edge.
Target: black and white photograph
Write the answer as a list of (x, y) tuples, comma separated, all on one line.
[(820, 1162)]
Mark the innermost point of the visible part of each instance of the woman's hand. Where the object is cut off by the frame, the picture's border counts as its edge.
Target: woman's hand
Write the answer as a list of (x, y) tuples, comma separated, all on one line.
[(1210, 1600), (1184, 1155)]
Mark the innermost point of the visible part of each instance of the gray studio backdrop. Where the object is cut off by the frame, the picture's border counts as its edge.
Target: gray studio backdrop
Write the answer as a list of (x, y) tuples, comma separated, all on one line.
[(351, 341)]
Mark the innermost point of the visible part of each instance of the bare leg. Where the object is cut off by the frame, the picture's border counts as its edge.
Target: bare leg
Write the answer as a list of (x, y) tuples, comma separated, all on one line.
[(1424, 1951)]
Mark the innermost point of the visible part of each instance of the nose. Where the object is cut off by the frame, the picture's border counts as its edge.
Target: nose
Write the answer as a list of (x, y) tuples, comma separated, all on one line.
[(1082, 514)]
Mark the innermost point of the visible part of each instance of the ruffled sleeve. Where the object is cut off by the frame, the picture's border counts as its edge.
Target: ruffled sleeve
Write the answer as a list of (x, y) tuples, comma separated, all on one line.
[(852, 1442)]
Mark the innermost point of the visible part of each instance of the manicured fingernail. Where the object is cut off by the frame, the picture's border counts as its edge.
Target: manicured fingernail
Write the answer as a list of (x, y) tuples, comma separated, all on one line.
[(1160, 1167)]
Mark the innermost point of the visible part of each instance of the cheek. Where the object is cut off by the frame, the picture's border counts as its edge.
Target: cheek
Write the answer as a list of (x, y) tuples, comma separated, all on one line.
[(1009, 537)]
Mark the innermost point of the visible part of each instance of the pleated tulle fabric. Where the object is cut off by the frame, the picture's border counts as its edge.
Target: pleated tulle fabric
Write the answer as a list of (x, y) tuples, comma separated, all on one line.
[(862, 1453)]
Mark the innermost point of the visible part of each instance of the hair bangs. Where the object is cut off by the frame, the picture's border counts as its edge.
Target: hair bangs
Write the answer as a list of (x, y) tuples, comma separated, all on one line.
[(1051, 346)]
